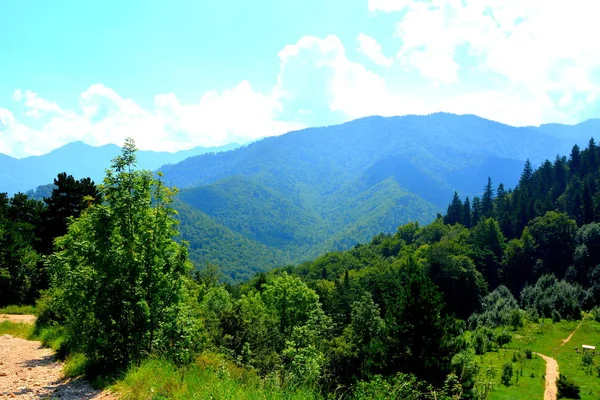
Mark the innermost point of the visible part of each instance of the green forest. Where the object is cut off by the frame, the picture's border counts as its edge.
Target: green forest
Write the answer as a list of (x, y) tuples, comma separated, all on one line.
[(409, 315)]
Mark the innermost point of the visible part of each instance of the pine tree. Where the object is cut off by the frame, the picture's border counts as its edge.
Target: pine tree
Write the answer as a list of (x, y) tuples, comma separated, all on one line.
[(487, 201), (454, 212), (466, 213), (575, 160)]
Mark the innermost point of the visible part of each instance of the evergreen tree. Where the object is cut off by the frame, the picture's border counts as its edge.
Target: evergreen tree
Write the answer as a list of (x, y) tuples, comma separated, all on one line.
[(466, 213), (575, 160), (476, 211), (487, 201), (454, 212)]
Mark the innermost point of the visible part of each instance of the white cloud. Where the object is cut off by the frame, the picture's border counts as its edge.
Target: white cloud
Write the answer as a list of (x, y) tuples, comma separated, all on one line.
[(521, 62), (541, 47), (239, 114), (369, 47), (37, 106), (317, 77)]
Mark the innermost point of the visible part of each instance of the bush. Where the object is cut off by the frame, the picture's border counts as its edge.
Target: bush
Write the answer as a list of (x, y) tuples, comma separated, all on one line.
[(503, 338), (587, 359), (507, 374), (567, 388), (556, 316), (479, 344), (528, 353)]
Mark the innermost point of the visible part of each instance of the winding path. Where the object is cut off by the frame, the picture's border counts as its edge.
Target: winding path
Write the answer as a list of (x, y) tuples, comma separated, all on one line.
[(551, 391), (30, 371)]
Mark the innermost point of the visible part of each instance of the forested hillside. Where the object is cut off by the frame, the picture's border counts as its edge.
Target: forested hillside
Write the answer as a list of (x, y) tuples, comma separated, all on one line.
[(82, 161), (323, 189), (412, 314)]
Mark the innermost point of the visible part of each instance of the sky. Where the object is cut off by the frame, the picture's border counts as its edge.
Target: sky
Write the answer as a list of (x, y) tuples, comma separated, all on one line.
[(178, 74)]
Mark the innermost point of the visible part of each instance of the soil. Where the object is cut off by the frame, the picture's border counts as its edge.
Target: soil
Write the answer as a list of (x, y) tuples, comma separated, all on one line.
[(18, 319), (29, 371), (550, 393)]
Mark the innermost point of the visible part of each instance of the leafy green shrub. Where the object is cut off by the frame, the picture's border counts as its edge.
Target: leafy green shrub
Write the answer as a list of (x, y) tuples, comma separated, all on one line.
[(117, 275), (499, 308), (507, 374), (503, 338), (595, 313), (401, 386), (528, 353), (587, 359), (567, 388), (553, 298), (556, 316), (479, 344)]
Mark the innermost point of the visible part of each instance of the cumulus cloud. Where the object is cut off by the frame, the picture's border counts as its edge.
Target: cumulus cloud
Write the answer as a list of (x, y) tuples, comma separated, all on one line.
[(537, 47), (520, 62), (369, 47), (238, 114)]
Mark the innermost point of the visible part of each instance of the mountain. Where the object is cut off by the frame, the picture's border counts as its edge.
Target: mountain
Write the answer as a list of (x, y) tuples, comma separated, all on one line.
[(319, 189), (81, 160)]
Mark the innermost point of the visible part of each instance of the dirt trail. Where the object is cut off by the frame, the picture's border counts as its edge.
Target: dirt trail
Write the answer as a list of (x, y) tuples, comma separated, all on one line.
[(29, 371), (550, 393), (565, 341), (18, 319)]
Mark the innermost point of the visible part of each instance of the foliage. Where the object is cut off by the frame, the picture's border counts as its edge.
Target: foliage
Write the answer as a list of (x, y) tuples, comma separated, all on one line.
[(118, 275), (507, 373), (550, 297), (499, 308), (567, 389)]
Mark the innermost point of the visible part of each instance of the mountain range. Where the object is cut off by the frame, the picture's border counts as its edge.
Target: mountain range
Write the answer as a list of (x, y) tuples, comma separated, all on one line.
[(81, 160), (290, 198), (286, 199)]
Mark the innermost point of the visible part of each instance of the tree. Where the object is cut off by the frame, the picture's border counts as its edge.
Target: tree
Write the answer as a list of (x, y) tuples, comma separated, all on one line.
[(466, 213), (554, 235), (455, 210), (487, 201), (21, 272), (118, 273), (67, 200)]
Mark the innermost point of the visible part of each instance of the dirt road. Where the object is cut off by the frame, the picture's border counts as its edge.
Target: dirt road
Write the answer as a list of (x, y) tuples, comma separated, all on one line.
[(550, 393), (18, 319), (30, 371)]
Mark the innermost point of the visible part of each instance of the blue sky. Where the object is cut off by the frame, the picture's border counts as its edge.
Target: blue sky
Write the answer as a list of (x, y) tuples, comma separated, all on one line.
[(178, 74)]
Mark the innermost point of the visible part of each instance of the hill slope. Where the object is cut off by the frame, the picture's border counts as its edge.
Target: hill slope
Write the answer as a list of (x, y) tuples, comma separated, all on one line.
[(80, 160), (329, 188)]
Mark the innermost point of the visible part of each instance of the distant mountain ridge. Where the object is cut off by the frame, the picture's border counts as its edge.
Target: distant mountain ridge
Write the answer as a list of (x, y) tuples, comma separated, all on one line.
[(81, 160), (328, 188)]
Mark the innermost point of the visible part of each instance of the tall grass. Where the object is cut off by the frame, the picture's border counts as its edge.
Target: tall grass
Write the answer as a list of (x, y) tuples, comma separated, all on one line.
[(159, 379), (23, 331), (14, 309)]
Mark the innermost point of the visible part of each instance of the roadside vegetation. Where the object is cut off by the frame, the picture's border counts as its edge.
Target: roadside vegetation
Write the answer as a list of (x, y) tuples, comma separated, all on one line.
[(455, 309)]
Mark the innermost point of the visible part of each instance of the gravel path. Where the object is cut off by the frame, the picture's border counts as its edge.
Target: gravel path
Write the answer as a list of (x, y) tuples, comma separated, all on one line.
[(30, 371)]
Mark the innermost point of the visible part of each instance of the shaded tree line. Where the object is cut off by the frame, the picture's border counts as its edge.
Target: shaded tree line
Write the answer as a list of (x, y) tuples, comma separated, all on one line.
[(28, 228)]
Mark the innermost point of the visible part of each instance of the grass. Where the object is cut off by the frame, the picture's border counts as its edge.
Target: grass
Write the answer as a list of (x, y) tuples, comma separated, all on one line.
[(14, 309), (546, 338), (528, 375), (23, 331), (210, 377), (570, 362)]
